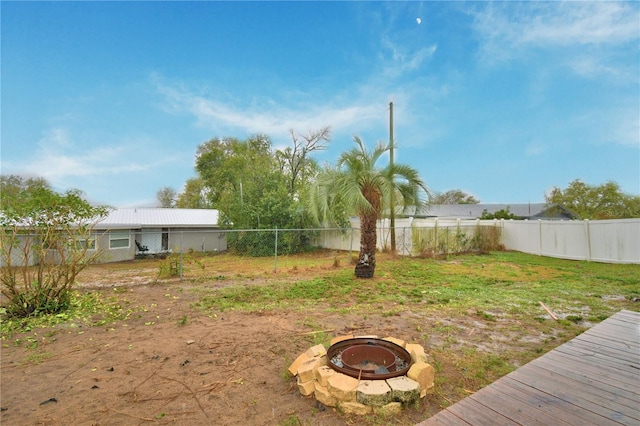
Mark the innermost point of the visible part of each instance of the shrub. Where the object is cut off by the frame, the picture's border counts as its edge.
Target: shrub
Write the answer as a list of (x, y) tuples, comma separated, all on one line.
[(47, 239)]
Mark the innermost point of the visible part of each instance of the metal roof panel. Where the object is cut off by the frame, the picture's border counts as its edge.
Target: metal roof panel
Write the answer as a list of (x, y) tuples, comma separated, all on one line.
[(160, 217)]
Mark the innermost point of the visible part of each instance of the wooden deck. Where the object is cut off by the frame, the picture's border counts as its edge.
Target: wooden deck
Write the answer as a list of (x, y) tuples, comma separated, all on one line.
[(592, 379)]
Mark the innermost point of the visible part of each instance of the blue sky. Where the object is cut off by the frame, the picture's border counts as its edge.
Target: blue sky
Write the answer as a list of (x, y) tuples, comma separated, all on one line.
[(503, 100)]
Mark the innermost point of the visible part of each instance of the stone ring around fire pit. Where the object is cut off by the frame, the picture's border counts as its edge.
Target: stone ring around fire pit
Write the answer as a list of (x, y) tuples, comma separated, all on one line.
[(364, 374)]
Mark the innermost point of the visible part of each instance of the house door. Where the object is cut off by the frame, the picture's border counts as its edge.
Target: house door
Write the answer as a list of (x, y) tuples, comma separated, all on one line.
[(151, 237), (165, 239)]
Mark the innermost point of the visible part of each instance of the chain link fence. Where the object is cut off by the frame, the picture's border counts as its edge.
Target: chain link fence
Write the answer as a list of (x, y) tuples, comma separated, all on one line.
[(120, 245), (418, 238)]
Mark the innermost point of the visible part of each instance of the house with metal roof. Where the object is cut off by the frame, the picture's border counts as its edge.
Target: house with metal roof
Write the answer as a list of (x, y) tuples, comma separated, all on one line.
[(127, 233), (528, 211)]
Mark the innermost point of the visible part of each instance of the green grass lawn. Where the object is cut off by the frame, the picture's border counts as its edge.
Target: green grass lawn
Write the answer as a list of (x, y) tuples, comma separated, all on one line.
[(479, 315), (506, 283)]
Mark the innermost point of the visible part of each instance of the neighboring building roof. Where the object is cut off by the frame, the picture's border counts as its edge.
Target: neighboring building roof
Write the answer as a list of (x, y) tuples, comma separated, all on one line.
[(474, 211), (159, 217)]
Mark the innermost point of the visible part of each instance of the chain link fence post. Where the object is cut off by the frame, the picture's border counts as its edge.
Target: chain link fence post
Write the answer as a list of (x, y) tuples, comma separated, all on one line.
[(181, 245), (275, 260)]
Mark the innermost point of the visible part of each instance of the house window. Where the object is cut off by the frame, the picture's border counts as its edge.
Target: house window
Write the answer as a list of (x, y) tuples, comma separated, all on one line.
[(119, 239), (88, 243)]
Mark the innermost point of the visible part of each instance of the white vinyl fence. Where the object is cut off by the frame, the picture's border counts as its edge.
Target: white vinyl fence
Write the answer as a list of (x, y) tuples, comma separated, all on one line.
[(608, 241)]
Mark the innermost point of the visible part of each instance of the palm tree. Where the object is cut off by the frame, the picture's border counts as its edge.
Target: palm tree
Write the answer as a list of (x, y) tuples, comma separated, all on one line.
[(357, 184)]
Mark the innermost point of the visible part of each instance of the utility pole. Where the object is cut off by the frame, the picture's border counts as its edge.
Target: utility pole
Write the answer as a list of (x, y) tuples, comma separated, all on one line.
[(393, 198)]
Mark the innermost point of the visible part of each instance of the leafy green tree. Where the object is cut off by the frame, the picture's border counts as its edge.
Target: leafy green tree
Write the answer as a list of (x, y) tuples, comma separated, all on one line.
[(47, 239), (194, 195), (166, 197), (11, 187), (605, 201), (500, 214), (357, 183), (255, 187), (247, 182), (454, 196), (295, 161), (243, 182)]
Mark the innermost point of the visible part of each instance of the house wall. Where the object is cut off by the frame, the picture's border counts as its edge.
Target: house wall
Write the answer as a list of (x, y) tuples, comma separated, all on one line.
[(201, 240), (17, 252), (196, 240), (119, 254)]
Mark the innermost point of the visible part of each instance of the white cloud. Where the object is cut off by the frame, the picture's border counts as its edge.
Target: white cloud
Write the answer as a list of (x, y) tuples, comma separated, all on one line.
[(269, 116), (511, 29), (618, 125), (625, 127), (59, 160), (402, 61), (581, 23), (590, 67)]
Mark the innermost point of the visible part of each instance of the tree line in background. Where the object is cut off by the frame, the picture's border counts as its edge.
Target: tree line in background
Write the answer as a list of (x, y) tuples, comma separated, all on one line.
[(254, 187), (605, 201)]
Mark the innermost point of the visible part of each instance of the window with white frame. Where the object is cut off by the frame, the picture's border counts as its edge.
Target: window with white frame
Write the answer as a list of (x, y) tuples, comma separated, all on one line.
[(86, 243), (119, 239)]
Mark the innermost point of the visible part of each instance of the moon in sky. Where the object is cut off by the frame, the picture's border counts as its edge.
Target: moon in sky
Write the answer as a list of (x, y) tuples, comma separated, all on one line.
[(419, 21)]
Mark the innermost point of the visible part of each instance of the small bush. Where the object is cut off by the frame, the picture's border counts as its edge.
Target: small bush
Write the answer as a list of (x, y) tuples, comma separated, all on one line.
[(439, 242), (47, 239)]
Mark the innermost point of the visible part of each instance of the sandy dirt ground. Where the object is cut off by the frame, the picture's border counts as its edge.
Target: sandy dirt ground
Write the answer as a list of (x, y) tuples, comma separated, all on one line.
[(173, 363)]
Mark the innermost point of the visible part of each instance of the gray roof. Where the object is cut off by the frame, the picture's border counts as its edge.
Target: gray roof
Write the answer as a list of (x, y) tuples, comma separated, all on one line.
[(159, 217), (473, 211)]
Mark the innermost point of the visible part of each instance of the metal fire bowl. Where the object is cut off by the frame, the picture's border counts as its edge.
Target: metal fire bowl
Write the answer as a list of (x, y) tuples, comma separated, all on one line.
[(396, 350), (357, 357)]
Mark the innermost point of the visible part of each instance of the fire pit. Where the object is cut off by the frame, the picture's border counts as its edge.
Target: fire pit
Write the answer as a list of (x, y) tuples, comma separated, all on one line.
[(369, 358), (364, 374)]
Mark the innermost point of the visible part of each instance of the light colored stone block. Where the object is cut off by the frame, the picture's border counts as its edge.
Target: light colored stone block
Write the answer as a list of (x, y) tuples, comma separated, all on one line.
[(417, 352), (293, 368), (343, 387), (424, 392), (340, 338), (306, 371), (323, 373), (372, 336), (306, 388), (422, 373), (391, 409), (323, 395), (398, 342), (373, 392), (404, 390), (355, 408), (317, 350)]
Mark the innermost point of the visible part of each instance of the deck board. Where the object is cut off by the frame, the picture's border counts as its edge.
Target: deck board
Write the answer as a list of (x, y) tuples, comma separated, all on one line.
[(562, 411), (592, 379)]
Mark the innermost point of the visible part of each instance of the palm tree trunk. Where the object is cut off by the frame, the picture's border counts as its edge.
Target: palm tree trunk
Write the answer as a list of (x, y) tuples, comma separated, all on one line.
[(366, 265)]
